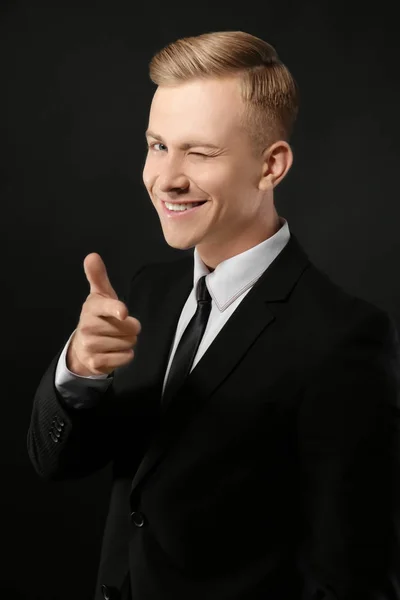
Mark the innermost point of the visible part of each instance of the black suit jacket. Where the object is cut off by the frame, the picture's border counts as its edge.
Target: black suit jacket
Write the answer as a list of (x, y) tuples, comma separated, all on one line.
[(274, 472)]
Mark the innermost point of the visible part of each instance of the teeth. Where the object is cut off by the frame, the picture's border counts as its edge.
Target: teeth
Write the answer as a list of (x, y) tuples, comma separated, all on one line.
[(177, 207)]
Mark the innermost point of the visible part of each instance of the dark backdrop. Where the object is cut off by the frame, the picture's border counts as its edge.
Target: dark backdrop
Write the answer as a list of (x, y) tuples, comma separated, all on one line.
[(74, 103)]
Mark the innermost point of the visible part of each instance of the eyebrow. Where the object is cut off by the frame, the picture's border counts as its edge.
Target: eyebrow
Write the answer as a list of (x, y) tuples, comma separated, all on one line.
[(186, 145)]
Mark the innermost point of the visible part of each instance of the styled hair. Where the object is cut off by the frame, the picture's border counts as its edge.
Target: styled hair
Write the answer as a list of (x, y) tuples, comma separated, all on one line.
[(269, 91)]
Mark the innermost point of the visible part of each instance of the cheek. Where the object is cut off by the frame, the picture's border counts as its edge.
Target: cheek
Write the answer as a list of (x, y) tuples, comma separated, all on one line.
[(217, 180), (147, 175)]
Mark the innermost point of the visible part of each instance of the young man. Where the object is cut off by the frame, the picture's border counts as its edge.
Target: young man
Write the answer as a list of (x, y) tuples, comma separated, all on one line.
[(249, 406)]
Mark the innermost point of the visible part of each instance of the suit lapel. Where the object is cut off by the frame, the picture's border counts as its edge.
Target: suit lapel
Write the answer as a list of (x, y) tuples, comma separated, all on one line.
[(248, 321)]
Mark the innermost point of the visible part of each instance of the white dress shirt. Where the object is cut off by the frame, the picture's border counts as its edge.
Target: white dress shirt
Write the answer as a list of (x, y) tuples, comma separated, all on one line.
[(228, 285)]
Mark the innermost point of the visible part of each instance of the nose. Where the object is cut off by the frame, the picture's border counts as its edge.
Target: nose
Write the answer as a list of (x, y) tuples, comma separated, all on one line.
[(171, 176)]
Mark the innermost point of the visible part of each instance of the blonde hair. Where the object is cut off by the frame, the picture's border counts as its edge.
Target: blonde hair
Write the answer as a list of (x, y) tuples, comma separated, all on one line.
[(269, 91)]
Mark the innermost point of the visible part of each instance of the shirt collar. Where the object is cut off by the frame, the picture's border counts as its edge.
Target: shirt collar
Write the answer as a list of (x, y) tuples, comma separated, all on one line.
[(233, 276)]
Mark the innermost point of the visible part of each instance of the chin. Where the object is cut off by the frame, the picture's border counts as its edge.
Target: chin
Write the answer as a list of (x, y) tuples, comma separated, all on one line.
[(181, 246), (180, 242)]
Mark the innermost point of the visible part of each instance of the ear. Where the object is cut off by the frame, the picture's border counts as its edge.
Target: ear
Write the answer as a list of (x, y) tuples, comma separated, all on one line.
[(277, 160)]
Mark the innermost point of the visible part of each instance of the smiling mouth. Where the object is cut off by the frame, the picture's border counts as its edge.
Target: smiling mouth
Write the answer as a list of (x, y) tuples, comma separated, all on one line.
[(190, 207), (185, 204)]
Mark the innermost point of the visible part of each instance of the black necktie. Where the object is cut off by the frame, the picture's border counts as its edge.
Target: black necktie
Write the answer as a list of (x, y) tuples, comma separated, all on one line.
[(189, 342)]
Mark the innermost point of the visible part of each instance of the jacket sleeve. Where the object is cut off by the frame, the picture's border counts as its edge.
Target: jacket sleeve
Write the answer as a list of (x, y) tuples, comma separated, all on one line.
[(348, 427), (71, 441)]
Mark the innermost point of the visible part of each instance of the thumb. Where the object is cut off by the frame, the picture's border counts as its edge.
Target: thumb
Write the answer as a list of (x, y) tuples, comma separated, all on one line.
[(96, 274)]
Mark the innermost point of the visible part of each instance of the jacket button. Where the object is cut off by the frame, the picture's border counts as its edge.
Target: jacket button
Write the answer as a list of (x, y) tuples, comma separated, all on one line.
[(53, 437), (137, 519)]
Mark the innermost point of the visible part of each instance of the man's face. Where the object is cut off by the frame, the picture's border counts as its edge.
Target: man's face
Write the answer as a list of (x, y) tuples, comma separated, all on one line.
[(180, 167)]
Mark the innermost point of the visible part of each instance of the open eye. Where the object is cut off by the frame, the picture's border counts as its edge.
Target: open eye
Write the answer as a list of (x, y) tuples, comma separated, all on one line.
[(157, 144)]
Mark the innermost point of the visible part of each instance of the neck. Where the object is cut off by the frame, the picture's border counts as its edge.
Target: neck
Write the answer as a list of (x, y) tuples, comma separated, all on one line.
[(213, 254)]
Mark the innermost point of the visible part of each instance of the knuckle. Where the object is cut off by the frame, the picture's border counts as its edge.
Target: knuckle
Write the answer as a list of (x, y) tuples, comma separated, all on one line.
[(85, 343), (112, 307), (135, 326), (121, 307), (83, 326), (93, 363)]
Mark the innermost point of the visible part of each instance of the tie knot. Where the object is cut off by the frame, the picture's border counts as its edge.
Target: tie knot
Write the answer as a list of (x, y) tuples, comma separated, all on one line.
[(203, 295)]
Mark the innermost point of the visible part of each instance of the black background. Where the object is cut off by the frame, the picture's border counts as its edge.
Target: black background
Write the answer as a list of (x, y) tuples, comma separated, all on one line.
[(74, 102)]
